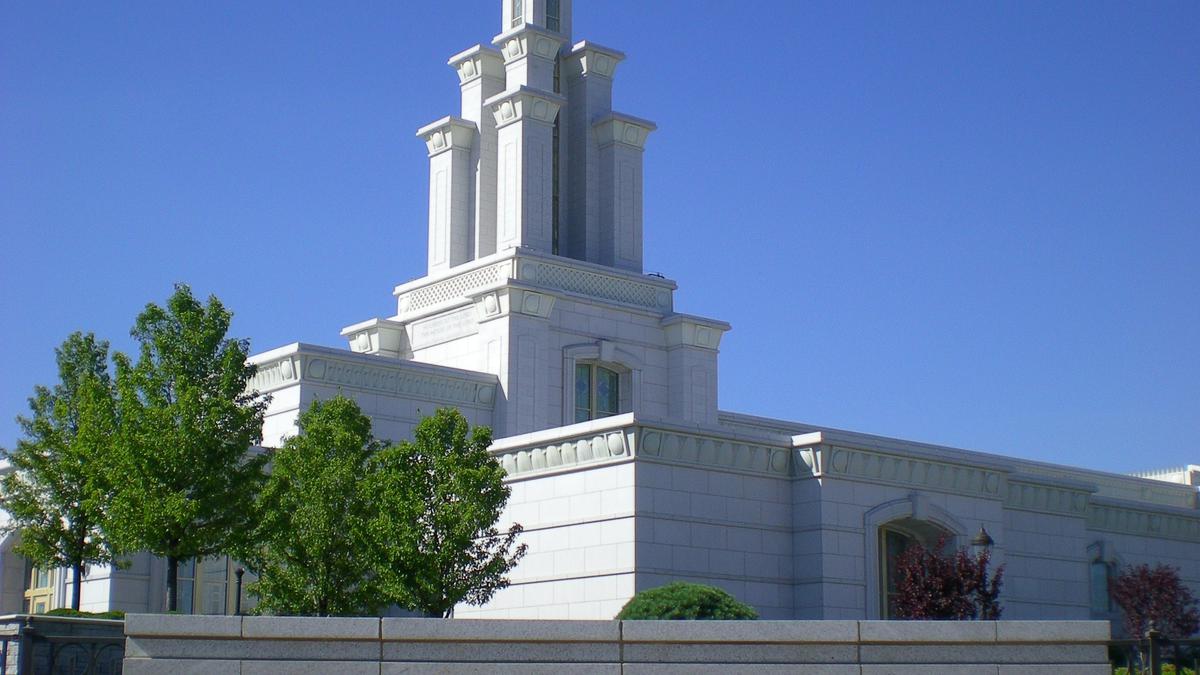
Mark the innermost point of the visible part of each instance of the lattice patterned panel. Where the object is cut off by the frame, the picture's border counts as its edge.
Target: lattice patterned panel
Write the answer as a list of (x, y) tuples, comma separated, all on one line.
[(451, 289), (601, 286)]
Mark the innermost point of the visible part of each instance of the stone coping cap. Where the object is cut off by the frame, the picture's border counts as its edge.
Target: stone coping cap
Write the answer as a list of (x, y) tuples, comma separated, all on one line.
[(183, 625), (487, 630), (525, 90), (1053, 631), (372, 323), (740, 631), (927, 631), (587, 45), (304, 627), (472, 51), (448, 121)]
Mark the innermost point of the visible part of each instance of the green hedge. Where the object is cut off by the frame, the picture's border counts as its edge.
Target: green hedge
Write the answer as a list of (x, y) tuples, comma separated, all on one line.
[(115, 614), (681, 600)]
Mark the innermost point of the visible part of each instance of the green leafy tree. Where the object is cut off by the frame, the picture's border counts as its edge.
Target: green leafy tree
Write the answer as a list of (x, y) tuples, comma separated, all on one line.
[(311, 555), (185, 479), (683, 600), (434, 537), (56, 495)]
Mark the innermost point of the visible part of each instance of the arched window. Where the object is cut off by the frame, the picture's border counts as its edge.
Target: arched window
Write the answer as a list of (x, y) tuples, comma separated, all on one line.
[(518, 12), (895, 538), (597, 392), (554, 15)]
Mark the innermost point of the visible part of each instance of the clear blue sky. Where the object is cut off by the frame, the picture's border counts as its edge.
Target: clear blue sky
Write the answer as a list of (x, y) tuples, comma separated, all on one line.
[(968, 223)]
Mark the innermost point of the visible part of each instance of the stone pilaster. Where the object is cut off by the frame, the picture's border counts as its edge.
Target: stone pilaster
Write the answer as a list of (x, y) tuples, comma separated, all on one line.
[(481, 76), (589, 70), (622, 140), (450, 141), (692, 350), (525, 123)]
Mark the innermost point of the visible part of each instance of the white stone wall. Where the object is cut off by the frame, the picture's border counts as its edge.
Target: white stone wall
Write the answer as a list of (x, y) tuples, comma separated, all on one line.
[(731, 530), (579, 526)]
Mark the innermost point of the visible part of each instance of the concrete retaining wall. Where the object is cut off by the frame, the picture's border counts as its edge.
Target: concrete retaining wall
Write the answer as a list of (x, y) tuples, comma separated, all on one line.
[(220, 645)]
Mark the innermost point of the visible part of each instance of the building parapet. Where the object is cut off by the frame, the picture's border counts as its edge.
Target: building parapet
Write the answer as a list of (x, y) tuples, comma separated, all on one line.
[(623, 438), (1143, 489), (297, 363)]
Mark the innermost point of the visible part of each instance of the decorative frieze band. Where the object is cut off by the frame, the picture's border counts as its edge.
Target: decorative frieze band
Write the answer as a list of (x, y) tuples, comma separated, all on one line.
[(1046, 498), (597, 285), (566, 454), (1124, 520), (394, 380), (714, 452), (456, 288), (909, 471)]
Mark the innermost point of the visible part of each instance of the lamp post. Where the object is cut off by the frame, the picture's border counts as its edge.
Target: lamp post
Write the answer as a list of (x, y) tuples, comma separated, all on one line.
[(237, 603), (982, 541)]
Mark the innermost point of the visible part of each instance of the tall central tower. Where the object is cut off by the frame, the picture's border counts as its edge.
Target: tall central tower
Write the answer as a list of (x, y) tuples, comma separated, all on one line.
[(536, 159), (535, 244)]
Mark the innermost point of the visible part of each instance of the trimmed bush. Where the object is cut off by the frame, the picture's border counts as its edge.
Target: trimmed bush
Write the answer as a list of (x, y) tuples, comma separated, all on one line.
[(682, 600), (67, 611)]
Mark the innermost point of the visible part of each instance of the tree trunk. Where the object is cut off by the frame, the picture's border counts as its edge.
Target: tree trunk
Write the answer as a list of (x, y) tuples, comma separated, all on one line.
[(77, 592), (172, 583)]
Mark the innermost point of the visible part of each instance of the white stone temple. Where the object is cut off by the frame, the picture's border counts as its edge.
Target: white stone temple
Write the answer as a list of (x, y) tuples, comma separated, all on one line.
[(535, 317)]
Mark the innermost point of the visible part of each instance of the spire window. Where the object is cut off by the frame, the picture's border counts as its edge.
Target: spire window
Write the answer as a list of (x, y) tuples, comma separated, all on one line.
[(554, 15), (518, 13)]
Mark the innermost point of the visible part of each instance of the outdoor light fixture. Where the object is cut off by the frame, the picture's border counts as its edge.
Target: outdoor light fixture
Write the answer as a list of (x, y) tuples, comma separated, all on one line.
[(982, 541)]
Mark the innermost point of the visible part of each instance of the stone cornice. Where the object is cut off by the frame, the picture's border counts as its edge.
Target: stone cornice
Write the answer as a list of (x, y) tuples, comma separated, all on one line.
[(825, 459), (609, 285), (383, 337), (1121, 517), (617, 128), (588, 59), (684, 330), (448, 133), (529, 40), (299, 363), (525, 103), (622, 438), (478, 62), (1029, 493)]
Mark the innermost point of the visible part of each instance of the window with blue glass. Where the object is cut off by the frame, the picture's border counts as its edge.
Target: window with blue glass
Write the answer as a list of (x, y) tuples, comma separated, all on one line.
[(597, 392)]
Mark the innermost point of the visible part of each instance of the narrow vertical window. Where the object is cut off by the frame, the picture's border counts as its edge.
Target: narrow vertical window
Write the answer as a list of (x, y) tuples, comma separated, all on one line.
[(583, 393), (597, 392), (553, 15), (518, 13), (1101, 604)]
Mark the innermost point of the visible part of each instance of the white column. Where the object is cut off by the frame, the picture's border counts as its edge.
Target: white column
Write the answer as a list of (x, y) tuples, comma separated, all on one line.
[(589, 71), (451, 142), (481, 74), (622, 140), (524, 177)]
